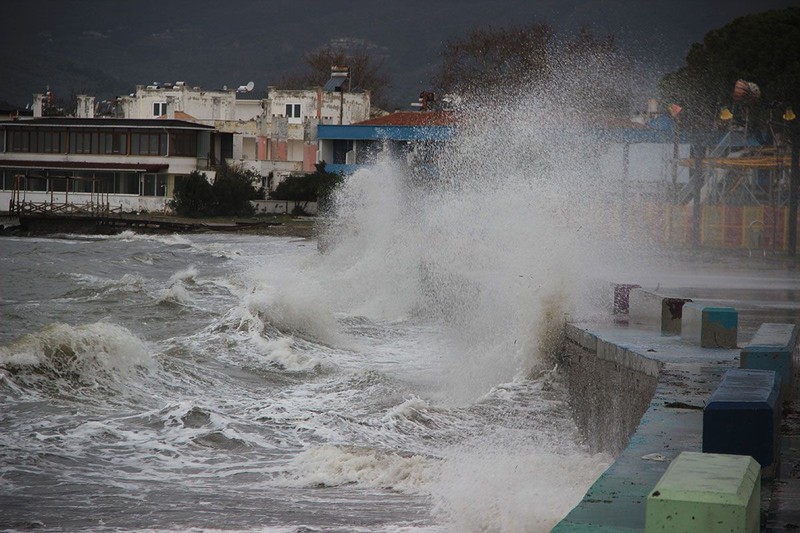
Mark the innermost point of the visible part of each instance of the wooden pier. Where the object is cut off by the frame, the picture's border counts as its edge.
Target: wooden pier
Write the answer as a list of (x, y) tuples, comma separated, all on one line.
[(97, 215)]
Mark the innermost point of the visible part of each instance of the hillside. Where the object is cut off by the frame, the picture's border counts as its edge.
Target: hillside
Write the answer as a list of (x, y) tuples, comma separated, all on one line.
[(107, 47)]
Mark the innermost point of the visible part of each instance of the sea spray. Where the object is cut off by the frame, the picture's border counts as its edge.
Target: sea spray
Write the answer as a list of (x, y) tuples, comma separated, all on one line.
[(508, 235), (514, 235)]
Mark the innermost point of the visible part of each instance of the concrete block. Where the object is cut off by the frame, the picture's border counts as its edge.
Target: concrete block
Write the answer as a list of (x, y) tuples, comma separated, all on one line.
[(743, 417), (664, 312), (710, 327), (772, 348), (706, 493)]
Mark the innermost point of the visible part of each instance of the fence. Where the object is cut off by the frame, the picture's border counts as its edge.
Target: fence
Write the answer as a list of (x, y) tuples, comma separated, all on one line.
[(721, 226), (89, 209)]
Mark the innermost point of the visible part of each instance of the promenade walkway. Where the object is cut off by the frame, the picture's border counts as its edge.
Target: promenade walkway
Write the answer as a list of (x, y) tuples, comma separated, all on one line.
[(761, 292)]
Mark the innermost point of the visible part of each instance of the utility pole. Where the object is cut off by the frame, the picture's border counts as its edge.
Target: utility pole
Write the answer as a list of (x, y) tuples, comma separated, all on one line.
[(697, 152), (794, 185)]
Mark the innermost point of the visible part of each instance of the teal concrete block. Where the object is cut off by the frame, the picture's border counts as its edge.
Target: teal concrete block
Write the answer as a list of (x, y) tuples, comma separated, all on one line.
[(721, 327), (772, 348), (707, 493), (710, 327)]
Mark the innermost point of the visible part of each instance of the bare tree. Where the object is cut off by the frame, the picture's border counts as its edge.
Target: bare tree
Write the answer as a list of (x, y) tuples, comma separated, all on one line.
[(594, 73), (495, 59), (586, 69), (367, 70)]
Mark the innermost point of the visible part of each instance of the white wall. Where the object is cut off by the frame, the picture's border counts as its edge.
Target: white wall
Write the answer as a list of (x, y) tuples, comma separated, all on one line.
[(205, 106), (128, 202), (354, 106), (247, 110)]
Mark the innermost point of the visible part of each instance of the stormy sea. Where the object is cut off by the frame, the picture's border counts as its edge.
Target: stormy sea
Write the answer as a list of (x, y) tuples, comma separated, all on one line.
[(394, 374)]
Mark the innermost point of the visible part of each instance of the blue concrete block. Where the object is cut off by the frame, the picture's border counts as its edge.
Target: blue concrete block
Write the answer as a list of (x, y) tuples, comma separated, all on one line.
[(742, 417), (710, 327), (772, 348)]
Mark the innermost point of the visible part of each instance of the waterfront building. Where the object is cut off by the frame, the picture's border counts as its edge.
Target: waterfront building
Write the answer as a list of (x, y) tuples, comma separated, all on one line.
[(133, 163), (135, 149), (276, 134)]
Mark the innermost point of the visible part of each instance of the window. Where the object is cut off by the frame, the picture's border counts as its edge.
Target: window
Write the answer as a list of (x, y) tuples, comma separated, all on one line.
[(115, 142), (83, 185), (340, 149), (80, 142), (183, 144), (159, 108), (18, 140), (226, 145), (293, 111), (127, 183), (154, 185), (148, 143)]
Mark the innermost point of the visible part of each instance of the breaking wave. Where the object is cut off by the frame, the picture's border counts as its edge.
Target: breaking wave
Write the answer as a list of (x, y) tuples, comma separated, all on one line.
[(332, 466), (92, 356)]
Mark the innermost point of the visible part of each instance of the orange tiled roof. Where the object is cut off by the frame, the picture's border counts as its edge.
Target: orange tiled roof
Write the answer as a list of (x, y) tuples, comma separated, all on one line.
[(412, 118), (180, 115)]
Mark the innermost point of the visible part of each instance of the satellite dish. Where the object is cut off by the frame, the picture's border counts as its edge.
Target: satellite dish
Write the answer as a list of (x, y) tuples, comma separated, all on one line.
[(250, 85)]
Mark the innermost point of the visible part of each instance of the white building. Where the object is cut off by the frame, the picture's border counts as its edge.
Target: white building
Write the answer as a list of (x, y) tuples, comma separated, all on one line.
[(288, 126), (162, 132), (276, 134), (133, 163)]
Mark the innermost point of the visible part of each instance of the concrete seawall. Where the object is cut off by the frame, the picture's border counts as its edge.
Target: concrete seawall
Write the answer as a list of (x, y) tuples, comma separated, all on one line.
[(610, 388), (639, 395), (674, 381)]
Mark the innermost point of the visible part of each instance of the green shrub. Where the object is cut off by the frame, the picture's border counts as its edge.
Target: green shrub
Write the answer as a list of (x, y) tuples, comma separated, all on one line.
[(193, 195), (229, 195), (314, 187), (233, 190)]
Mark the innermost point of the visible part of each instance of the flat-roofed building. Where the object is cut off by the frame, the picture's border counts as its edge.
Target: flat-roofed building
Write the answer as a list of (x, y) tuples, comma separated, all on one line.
[(135, 163)]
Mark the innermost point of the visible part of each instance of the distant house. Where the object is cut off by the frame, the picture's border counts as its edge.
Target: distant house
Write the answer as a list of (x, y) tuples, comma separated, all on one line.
[(412, 135), (276, 134), (291, 120)]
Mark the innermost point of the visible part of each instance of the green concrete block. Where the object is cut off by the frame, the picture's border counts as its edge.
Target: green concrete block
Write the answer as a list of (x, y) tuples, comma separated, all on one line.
[(707, 493)]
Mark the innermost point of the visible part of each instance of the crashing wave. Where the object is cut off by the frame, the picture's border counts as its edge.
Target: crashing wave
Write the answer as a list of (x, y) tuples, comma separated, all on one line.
[(331, 466), (91, 355)]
